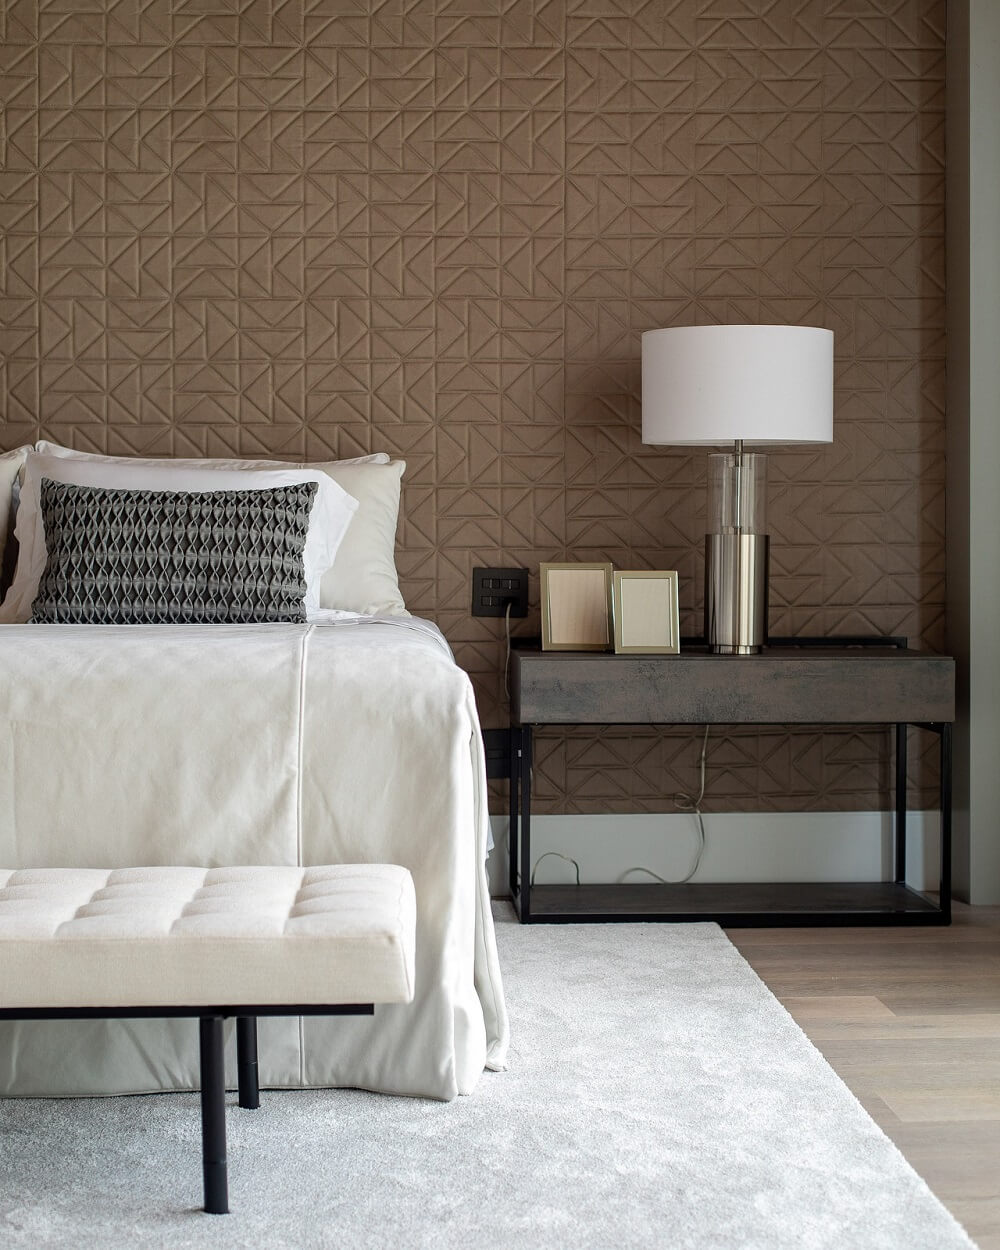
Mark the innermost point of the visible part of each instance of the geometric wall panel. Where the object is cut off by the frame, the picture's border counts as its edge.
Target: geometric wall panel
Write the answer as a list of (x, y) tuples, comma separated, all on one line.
[(311, 229)]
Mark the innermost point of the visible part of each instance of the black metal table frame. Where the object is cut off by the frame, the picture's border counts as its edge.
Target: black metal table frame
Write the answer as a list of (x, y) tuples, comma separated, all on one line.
[(215, 1172), (519, 833)]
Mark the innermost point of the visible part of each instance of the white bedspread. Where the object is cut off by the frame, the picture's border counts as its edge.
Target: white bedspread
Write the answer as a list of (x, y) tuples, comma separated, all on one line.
[(345, 740)]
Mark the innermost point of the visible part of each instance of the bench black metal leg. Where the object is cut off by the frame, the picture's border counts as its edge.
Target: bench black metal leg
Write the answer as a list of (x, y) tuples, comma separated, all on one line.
[(213, 1116), (246, 1061)]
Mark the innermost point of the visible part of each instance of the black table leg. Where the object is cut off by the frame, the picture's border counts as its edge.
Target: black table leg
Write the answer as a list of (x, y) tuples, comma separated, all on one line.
[(213, 1116), (246, 1062), (513, 825), (524, 894), (900, 804), (946, 731)]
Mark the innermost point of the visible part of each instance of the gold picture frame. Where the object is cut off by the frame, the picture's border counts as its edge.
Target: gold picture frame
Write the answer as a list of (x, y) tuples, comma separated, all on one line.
[(576, 607), (645, 611)]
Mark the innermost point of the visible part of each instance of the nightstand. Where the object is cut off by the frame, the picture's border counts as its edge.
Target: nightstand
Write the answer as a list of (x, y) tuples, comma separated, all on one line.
[(870, 682)]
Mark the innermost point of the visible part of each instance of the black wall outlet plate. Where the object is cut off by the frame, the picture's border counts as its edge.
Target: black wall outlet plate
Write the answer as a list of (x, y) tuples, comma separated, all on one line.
[(493, 589)]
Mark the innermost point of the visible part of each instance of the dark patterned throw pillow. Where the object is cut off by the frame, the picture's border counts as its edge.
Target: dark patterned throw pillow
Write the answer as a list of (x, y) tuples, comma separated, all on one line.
[(142, 557)]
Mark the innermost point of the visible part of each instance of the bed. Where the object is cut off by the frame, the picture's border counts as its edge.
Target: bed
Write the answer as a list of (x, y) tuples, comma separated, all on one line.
[(350, 736)]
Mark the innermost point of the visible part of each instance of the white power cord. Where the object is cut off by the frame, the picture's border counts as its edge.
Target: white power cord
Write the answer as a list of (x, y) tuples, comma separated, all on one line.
[(558, 855), (687, 803)]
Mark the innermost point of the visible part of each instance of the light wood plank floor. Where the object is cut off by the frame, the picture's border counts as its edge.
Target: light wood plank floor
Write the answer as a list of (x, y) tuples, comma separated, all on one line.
[(910, 1019)]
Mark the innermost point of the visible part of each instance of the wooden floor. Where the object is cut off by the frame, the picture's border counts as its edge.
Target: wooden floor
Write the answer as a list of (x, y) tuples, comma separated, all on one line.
[(910, 1019)]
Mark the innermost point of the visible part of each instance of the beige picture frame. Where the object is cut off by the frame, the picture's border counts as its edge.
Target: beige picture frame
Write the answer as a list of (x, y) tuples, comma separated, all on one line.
[(576, 606), (645, 612)]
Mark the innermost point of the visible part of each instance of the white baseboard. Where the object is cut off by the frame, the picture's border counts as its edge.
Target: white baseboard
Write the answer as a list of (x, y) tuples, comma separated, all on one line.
[(739, 846)]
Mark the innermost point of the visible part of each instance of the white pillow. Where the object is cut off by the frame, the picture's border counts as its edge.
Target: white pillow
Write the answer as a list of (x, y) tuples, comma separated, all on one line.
[(363, 577), (10, 467), (332, 511), (192, 462)]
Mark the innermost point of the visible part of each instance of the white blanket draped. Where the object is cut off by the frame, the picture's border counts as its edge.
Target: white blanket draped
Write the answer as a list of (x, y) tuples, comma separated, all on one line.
[(345, 740)]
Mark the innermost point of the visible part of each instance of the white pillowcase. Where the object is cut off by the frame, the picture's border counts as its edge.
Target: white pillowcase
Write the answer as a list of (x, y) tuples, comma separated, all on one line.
[(363, 577), (331, 514), (10, 467)]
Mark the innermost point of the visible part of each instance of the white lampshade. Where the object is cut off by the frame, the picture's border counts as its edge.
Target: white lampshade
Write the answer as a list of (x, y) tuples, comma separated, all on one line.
[(717, 384)]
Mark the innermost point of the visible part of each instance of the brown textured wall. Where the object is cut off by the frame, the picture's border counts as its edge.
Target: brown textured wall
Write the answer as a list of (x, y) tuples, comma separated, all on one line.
[(439, 228)]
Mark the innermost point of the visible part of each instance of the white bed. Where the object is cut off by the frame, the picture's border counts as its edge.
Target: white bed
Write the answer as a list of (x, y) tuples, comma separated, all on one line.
[(345, 739)]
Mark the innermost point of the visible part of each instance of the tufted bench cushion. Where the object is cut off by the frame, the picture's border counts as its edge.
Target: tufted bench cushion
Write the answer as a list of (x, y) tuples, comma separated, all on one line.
[(131, 937), (209, 943)]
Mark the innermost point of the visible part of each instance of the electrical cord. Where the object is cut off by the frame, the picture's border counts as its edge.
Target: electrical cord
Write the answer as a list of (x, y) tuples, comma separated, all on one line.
[(558, 855), (685, 802), (692, 805)]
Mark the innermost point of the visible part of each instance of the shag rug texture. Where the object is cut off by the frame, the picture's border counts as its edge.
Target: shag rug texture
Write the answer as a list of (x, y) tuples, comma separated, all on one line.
[(658, 1095)]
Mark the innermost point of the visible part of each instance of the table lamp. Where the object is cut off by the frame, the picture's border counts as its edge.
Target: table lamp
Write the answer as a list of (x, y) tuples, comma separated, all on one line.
[(744, 384)]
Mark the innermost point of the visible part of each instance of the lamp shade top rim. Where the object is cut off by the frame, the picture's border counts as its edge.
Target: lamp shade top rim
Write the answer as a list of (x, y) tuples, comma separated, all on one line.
[(741, 327)]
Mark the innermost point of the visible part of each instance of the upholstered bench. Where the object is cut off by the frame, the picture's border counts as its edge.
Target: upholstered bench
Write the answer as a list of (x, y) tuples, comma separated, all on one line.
[(206, 943)]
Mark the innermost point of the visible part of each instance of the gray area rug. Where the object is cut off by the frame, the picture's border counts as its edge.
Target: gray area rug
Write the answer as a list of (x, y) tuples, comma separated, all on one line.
[(658, 1095)]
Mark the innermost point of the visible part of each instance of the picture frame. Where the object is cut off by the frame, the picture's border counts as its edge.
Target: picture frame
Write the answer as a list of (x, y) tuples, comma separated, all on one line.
[(645, 612), (576, 606)]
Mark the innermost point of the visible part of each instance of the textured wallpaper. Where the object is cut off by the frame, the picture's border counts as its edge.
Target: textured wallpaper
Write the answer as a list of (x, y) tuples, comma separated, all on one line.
[(316, 228)]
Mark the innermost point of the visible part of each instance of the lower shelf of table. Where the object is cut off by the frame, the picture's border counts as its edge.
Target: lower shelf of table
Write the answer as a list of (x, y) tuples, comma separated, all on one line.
[(737, 904)]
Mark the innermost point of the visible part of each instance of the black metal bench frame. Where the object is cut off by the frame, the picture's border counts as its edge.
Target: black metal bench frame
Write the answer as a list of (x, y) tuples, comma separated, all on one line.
[(213, 1068)]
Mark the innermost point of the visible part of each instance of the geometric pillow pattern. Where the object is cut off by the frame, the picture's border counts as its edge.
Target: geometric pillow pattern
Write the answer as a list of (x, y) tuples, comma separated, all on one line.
[(138, 557)]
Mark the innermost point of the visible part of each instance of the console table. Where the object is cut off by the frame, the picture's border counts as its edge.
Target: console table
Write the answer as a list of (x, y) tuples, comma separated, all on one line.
[(885, 684)]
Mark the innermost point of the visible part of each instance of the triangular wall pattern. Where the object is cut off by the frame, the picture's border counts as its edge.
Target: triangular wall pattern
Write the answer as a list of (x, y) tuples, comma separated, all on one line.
[(313, 228)]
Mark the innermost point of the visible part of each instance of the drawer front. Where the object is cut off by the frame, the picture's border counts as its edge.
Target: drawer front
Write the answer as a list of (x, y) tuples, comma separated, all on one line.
[(775, 689)]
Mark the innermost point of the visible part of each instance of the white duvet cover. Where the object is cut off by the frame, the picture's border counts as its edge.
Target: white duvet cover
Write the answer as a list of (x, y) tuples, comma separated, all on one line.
[(349, 739)]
